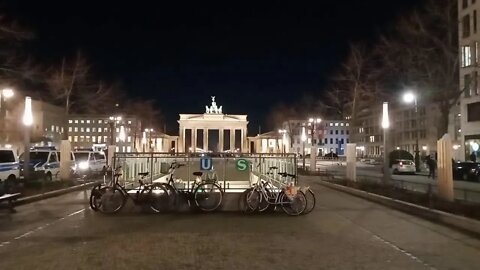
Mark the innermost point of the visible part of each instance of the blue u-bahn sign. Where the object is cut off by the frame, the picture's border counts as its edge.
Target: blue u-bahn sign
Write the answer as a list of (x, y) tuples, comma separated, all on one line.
[(206, 163)]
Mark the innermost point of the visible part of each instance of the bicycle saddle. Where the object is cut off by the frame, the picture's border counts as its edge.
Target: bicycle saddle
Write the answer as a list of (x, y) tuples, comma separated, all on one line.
[(143, 173), (198, 173)]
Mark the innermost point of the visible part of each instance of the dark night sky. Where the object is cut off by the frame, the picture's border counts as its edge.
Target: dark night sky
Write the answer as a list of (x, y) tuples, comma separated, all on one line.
[(250, 55)]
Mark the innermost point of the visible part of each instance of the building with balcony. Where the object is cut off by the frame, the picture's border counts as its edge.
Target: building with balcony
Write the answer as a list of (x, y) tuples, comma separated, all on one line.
[(469, 38)]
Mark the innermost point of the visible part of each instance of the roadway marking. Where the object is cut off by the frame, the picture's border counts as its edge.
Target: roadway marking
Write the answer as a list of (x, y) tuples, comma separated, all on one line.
[(390, 244), (40, 228)]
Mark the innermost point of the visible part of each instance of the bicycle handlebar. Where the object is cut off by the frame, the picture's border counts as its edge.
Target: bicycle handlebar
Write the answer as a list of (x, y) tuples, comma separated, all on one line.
[(284, 174)]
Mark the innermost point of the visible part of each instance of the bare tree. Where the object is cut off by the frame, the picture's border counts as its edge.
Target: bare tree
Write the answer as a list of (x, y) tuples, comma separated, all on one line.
[(355, 85), (423, 53)]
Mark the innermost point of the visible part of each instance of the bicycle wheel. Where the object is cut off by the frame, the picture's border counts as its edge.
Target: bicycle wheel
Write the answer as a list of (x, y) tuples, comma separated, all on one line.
[(310, 199), (294, 205), (112, 200), (252, 200), (96, 197), (157, 198), (208, 196), (265, 205)]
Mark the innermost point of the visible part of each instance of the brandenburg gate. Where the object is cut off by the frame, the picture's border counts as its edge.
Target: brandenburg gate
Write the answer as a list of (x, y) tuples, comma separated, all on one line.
[(195, 131)]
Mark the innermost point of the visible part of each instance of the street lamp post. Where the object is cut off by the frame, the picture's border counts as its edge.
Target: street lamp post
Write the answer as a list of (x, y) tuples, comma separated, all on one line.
[(27, 121), (385, 127), (410, 97), (304, 138)]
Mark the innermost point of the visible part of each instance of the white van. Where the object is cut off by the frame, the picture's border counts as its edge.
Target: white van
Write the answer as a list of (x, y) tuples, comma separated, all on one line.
[(90, 162), (9, 166), (43, 163)]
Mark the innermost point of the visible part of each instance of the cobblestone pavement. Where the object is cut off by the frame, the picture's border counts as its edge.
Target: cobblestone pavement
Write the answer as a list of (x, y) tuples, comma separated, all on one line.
[(343, 232)]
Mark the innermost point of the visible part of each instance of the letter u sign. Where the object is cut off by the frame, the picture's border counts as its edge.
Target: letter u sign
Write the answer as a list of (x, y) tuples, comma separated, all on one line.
[(206, 163)]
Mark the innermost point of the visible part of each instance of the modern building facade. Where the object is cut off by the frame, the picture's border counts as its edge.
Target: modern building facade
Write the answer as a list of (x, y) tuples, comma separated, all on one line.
[(469, 38), (407, 124), (99, 131), (46, 130), (327, 136)]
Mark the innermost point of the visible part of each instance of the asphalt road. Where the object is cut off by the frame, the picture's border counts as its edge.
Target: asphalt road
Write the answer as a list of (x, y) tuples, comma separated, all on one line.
[(343, 232)]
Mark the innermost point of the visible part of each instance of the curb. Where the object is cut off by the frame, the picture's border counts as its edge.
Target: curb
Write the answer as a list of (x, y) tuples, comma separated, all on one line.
[(51, 194), (461, 223)]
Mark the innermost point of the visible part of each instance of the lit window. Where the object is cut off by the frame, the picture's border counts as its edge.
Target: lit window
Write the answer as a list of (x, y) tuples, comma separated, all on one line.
[(118, 130), (88, 121), (70, 138), (347, 124), (70, 129), (76, 121), (62, 129), (372, 138), (70, 121), (82, 129), (129, 122), (100, 121), (88, 130), (466, 56), (105, 130), (129, 149), (309, 140), (117, 139), (94, 139), (336, 124), (76, 129), (104, 138), (75, 138), (341, 124), (82, 138), (82, 122), (129, 139), (99, 139), (331, 124), (57, 129), (53, 128), (87, 138)]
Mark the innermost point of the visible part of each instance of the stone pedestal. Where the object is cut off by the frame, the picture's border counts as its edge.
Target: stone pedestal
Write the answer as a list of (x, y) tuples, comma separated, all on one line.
[(351, 161), (65, 160), (313, 159), (444, 164)]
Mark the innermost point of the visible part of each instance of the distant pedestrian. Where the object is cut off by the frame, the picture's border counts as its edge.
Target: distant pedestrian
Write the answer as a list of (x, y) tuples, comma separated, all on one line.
[(473, 157), (431, 167)]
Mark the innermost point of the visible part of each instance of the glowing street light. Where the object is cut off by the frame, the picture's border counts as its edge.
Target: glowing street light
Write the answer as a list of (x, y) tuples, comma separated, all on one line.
[(122, 135), (410, 97), (7, 93), (27, 121), (385, 126)]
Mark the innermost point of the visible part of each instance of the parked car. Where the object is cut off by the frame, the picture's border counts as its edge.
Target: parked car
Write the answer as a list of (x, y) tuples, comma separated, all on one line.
[(466, 171), (9, 170), (403, 166), (89, 162)]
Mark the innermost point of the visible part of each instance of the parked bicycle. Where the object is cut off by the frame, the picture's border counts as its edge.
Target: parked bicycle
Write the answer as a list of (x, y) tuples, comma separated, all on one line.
[(265, 194), (307, 191), (112, 198), (205, 193)]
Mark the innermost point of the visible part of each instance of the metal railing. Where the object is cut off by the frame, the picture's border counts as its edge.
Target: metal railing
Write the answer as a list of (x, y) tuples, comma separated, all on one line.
[(430, 188), (229, 175)]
